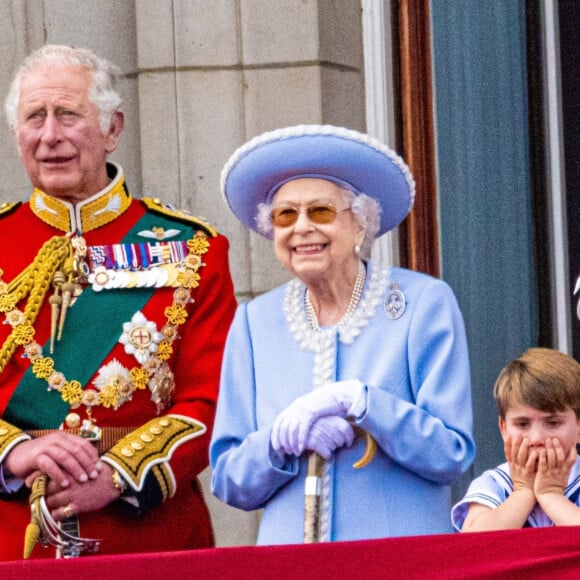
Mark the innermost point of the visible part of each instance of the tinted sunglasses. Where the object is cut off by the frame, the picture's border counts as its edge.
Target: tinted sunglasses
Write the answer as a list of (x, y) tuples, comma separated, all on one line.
[(319, 213)]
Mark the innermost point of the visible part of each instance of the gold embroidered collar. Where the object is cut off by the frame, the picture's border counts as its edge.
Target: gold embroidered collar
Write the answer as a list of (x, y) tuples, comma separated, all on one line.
[(89, 214)]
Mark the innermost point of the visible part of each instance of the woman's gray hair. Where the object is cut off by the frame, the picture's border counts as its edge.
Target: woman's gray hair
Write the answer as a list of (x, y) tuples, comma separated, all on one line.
[(105, 76), (366, 210)]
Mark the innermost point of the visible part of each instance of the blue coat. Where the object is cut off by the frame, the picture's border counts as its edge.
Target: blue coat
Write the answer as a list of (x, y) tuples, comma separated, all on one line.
[(419, 411)]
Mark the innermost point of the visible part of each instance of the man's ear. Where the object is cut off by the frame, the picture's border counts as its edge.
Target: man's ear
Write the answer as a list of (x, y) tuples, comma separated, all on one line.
[(115, 131)]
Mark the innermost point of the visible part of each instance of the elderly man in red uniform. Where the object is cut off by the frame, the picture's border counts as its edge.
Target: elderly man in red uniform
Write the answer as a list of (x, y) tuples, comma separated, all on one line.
[(115, 312)]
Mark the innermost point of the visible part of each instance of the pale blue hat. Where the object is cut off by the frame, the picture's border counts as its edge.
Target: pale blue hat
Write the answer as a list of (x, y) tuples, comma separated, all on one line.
[(256, 171)]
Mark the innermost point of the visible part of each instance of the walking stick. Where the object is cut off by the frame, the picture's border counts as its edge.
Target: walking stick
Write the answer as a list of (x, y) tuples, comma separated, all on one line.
[(313, 487)]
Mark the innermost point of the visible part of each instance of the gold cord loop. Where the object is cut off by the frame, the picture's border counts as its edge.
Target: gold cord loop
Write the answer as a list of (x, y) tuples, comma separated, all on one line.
[(33, 282)]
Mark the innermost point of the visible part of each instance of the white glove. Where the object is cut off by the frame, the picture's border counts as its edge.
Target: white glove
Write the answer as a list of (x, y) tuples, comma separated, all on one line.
[(328, 434), (292, 425)]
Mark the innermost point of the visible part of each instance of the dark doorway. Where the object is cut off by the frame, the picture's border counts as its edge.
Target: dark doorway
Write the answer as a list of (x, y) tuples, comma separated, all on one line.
[(569, 28)]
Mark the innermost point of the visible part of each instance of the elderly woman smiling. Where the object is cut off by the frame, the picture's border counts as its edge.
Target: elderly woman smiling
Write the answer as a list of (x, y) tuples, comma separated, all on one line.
[(346, 346)]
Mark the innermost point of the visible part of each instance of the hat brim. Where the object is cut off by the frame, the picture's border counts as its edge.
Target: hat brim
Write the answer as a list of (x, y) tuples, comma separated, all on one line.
[(254, 173)]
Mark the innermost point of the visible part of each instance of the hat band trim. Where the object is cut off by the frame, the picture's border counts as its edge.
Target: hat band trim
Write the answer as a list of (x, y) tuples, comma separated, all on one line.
[(340, 182)]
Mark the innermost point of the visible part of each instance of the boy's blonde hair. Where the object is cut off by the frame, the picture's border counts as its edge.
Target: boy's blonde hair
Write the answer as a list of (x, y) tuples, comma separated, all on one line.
[(542, 378)]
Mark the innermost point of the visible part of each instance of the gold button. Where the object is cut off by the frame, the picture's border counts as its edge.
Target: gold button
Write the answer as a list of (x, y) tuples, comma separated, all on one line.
[(127, 452), (165, 422), (155, 429), (3, 431), (136, 445), (146, 437), (72, 420)]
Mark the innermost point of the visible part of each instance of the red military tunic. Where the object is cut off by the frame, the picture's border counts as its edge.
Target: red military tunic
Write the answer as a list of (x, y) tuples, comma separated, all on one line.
[(157, 447)]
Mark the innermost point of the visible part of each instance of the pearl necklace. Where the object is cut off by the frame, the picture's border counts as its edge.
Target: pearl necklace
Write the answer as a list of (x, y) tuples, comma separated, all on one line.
[(353, 303)]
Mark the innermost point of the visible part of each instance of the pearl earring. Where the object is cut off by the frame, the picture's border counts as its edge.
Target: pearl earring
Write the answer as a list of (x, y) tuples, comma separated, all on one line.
[(357, 249)]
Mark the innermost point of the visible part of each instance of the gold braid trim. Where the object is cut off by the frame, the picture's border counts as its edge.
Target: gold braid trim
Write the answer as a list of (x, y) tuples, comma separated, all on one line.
[(34, 282), (165, 480), (150, 445), (9, 436)]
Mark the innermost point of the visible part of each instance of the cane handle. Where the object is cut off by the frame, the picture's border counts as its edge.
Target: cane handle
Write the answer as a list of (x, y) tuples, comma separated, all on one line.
[(370, 451)]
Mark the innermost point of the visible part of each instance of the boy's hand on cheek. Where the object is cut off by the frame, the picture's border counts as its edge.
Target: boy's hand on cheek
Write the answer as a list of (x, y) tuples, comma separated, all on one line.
[(554, 468), (522, 461)]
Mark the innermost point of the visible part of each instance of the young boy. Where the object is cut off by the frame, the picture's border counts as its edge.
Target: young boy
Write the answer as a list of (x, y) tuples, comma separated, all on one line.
[(538, 400)]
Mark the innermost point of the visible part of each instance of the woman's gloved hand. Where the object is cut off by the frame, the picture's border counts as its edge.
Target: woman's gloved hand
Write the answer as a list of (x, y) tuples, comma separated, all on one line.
[(328, 434), (292, 426)]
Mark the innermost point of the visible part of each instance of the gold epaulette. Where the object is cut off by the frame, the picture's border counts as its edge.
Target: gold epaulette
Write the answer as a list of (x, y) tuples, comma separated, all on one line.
[(6, 207), (150, 447), (155, 205)]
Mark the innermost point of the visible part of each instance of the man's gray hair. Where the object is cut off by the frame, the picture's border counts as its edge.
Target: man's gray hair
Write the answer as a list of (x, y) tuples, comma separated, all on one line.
[(105, 77)]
